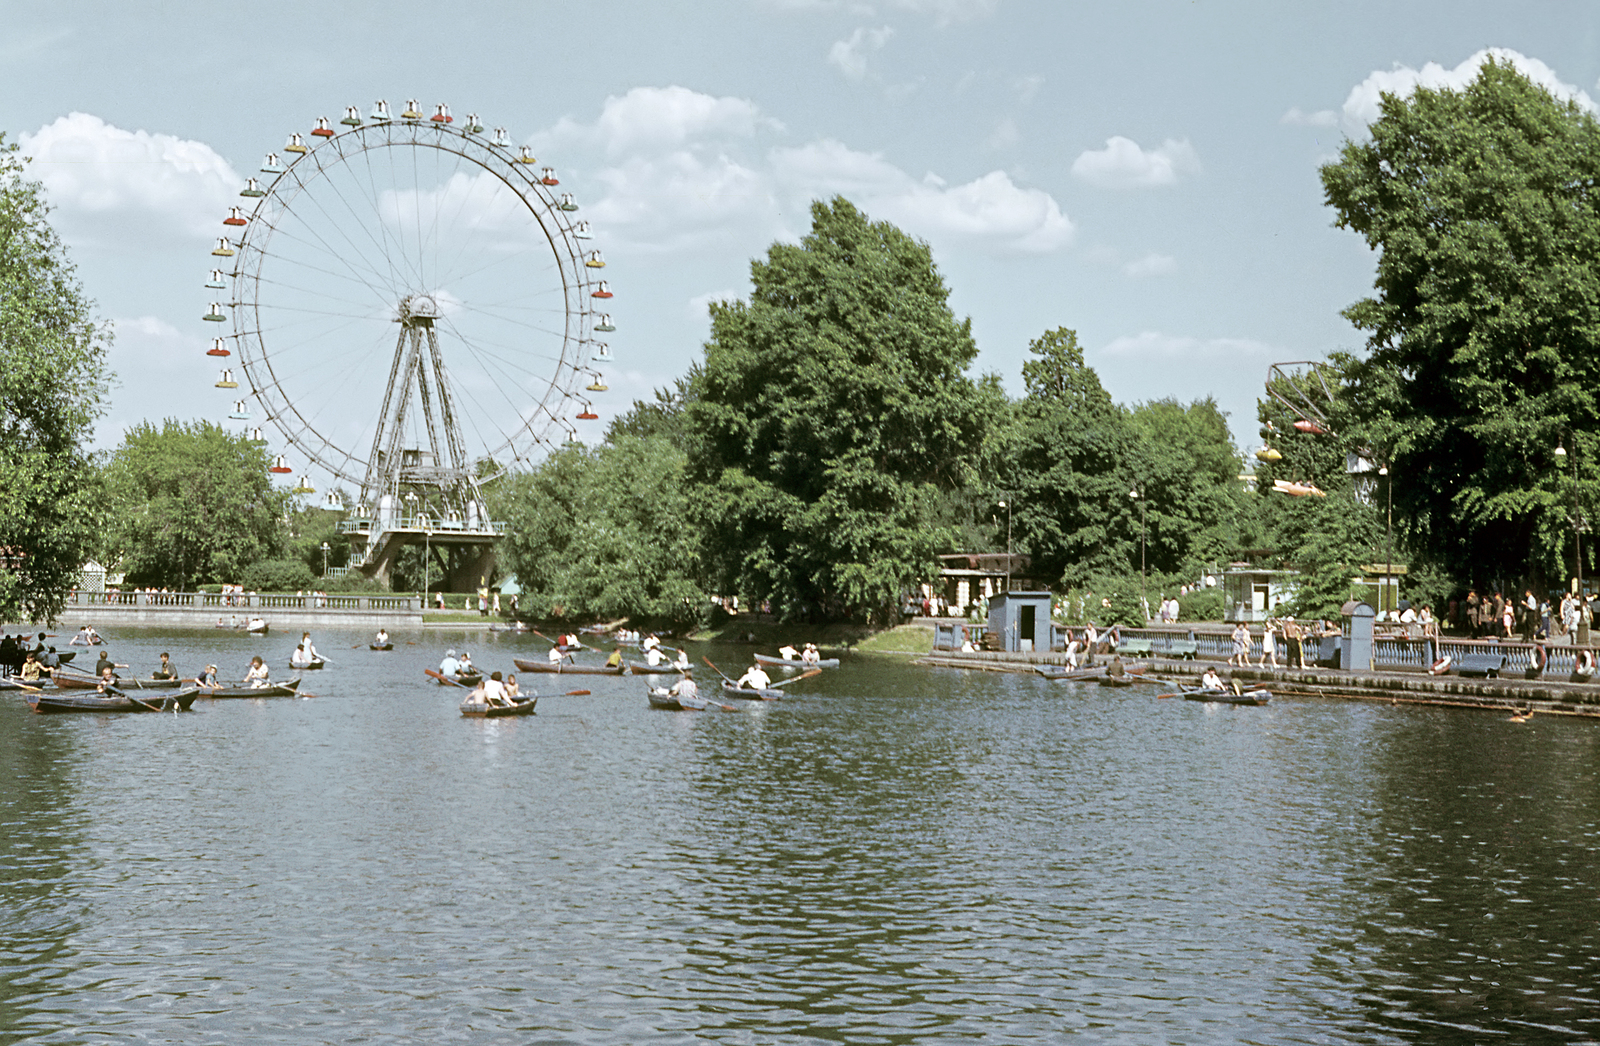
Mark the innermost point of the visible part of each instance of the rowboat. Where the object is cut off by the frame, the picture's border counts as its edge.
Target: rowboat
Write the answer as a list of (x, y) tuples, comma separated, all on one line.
[(1056, 673), (479, 710), (470, 680), (71, 682), (240, 690), (1110, 680), (306, 666), (378, 646), (768, 659), (565, 668), (1228, 697), (661, 697), (745, 693), (178, 700), (665, 668)]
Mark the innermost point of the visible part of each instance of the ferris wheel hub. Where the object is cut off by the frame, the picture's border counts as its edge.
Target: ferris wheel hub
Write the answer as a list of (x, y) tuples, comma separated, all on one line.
[(419, 310)]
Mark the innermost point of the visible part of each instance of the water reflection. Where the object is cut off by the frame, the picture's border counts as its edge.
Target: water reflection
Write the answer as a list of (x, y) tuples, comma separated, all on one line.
[(893, 855)]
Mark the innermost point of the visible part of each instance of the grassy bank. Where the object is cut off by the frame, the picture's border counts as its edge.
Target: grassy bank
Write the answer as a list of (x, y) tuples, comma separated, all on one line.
[(767, 634)]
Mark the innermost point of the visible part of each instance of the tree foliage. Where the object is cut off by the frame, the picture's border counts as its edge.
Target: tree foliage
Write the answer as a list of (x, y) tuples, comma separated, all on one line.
[(1484, 331), (190, 503), (830, 412), (52, 383), (602, 533)]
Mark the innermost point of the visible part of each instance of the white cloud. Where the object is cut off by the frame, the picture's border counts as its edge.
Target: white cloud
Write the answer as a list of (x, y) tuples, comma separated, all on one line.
[(704, 183), (1361, 106), (699, 307), (851, 55), (97, 174), (1027, 87), (991, 207), (1320, 118), (1122, 163), (661, 118), (1153, 346), (1005, 135), (1149, 265)]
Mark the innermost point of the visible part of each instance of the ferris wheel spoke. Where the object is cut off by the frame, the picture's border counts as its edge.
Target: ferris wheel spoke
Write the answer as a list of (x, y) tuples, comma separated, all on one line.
[(391, 251), (384, 249), (363, 224), (363, 275)]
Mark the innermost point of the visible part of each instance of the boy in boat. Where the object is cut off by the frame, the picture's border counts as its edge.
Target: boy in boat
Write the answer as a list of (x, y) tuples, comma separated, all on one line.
[(754, 678), (466, 664), (512, 691), (30, 668), (108, 681), (258, 675), (299, 659), (556, 655), (685, 690), (382, 638), (207, 677), (104, 663), (494, 690), (1211, 681), (653, 656), (788, 653), (812, 655), (615, 659), (165, 669)]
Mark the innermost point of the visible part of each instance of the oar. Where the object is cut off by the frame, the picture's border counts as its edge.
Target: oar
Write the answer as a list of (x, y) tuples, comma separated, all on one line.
[(441, 677), (796, 679), (714, 668)]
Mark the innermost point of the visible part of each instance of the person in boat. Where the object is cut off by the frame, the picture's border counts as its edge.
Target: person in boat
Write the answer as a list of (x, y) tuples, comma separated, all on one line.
[(300, 659), (50, 661), (513, 692), (31, 668), (653, 656), (38, 649), (789, 653), (206, 677), (811, 655), (466, 664), (615, 659), (1116, 670), (1211, 681), (382, 638), (651, 642), (557, 654), (754, 678), (1073, 647), (108, 681), (311, 651), (685, 688), (105, 662), (450, 666), (494, 690), (258, 675), (165, 670), (681, 662)]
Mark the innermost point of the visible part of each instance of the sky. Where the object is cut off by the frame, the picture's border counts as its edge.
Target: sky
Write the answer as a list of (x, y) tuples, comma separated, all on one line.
[(1143, 173)]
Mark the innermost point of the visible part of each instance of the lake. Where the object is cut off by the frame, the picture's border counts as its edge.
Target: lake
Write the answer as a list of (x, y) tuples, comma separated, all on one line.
[(893, 854)]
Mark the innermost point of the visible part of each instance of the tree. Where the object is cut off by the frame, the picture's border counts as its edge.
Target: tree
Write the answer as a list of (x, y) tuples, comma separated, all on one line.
[(605, 533), (191, 504), (1067, 468), (1483, 336), (829, 413), (52, 384)]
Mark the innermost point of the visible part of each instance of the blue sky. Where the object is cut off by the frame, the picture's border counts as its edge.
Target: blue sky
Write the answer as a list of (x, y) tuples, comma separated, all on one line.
[(1145, 173)]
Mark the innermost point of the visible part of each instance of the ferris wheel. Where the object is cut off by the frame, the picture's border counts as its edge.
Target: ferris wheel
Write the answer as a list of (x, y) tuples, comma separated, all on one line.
[(414, 305)]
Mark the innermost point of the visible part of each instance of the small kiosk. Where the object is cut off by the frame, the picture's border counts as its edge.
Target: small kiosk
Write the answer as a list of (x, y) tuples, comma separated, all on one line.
[(1355, 646), (1021, 620)]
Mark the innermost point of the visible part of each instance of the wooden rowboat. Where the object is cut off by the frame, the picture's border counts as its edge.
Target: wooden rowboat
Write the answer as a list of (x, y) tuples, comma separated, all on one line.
[(665, 668), (768, 659), (470, 680), (745, 693), (563, 668), (176, 701), (479, 710), (1228, 697), (378, 646), (240, 690), (661, 697), (73, 682), (308, 666)]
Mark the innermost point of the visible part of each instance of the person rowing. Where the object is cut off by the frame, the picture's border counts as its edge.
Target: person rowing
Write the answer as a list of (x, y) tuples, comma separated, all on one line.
[(450, 666), (300, 658), (653, 656), (208, 677), (615, 659), (681, 663), (557, 655), (811, 655), (31, 668), (258, 675), (1211, 681), (686, 690), (108, 681), (754, 678), (788, 653)]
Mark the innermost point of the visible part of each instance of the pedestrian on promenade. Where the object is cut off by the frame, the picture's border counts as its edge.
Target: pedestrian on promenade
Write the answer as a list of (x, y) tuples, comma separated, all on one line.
[(1269, 646), (1241, 645)]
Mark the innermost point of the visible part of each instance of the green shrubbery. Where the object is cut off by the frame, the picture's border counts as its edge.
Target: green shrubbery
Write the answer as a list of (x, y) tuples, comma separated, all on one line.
[(278, 575)]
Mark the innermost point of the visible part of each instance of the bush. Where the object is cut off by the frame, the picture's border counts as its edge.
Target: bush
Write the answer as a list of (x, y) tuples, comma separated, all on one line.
[(278, 575), (1202, 604)]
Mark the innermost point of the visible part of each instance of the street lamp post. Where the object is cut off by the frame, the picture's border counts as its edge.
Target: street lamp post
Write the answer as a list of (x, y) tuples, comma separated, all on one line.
[(1144, 605), (1577, 542), (1388, 535), (1007, 506), (324, 559)]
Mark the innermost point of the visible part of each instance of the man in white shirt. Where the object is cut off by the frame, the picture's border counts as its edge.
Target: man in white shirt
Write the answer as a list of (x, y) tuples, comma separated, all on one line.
[(754, 678)]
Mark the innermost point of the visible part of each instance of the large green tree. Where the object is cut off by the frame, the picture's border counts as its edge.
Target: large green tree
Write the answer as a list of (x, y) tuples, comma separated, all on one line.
[(829, 414), (191, 503), (604, 532), (1483, 335), (52, 381)]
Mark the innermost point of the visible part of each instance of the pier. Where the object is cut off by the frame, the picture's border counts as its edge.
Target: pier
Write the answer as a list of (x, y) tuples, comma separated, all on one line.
[(205, 609)]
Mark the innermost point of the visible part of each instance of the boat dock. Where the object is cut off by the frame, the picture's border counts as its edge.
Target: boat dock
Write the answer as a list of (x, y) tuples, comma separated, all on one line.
[(1554, 696)]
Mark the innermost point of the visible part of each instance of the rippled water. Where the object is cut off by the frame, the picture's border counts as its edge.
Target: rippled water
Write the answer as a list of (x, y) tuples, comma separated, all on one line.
[(894, 855)]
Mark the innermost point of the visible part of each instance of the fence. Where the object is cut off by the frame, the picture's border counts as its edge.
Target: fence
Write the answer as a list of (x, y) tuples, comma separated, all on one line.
[(235, 601)]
